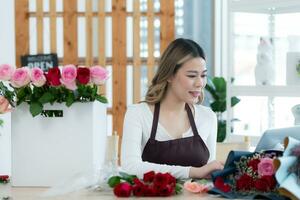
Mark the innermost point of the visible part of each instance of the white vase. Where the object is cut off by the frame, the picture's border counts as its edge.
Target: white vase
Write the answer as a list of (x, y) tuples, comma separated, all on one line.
[(48, 150)]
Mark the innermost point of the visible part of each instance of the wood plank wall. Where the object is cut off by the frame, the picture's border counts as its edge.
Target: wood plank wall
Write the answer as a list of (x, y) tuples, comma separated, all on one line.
[(119, 60)]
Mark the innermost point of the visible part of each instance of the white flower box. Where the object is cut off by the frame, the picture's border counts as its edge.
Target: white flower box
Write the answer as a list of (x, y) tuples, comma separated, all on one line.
[(47, 150)]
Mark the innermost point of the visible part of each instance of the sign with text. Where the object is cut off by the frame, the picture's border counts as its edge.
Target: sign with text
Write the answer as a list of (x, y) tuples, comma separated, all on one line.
[(43, 61)]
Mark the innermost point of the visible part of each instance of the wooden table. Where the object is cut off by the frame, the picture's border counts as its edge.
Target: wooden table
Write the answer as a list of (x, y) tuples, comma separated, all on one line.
[(34, 193)]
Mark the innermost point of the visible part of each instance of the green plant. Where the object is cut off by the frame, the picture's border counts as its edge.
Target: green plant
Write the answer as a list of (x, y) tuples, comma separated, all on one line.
[(216, 86)]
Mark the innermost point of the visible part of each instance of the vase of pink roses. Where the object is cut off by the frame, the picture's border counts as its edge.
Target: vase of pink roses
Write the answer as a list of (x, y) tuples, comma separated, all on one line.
[(68, 84), (47, 149)]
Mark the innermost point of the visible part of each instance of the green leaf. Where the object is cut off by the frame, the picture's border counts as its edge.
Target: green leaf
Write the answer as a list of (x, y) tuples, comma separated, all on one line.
[(101, 99), (36, 108), (218, 106), (127, 177), (113, 181), (220, 84), (178, 188), (234, 101), (46, 98), (70, 99)]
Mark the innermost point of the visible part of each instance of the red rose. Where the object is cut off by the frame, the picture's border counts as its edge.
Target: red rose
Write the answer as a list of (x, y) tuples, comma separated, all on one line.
[(4, 178), (171, 179), (123, 190), (270, 181), (83, 75), (161, 179), (150, 191), (138, 190), (53, 76), (245, 182), (149, 176), (166, 190), (261, 185), (137, 181), (221, 185), (253, 164)]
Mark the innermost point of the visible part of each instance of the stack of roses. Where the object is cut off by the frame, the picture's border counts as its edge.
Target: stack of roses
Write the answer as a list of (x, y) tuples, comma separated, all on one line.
[(68, 84), (153, 184), (254, 174), (4, 178)]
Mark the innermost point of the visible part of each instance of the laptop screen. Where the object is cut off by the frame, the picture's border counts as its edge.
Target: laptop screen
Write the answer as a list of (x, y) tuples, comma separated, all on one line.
[(272, 139)]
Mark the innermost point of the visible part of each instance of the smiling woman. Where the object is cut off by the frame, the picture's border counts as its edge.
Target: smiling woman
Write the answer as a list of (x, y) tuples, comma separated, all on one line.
[(170, 131)]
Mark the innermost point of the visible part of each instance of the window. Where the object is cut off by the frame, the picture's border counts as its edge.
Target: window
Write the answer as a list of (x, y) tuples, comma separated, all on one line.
[(257, 38)]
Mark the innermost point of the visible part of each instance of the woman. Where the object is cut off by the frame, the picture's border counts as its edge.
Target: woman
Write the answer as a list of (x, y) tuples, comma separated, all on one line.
[(170, 131)]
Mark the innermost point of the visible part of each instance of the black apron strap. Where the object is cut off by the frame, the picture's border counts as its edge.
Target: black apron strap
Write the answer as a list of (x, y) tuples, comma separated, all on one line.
[(155, 121), (191, 119)]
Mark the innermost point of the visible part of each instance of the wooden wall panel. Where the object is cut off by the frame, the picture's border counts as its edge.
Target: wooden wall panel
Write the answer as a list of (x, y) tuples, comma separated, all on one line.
[(40, 26), (136, 52), (70, 32), (53, 39), (89, 32), (22, 29), (167, 19), (150, 40)]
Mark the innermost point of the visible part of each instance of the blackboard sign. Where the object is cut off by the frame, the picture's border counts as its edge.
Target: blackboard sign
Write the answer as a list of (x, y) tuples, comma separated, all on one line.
[(43, 61)]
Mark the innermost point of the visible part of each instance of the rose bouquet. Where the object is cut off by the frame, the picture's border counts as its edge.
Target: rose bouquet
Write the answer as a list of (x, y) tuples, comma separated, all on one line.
[(249, 175), (67, 84), (152, 184), (4, 178)]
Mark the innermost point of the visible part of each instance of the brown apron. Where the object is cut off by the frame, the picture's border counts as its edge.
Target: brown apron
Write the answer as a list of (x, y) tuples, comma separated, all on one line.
[(189, 151)]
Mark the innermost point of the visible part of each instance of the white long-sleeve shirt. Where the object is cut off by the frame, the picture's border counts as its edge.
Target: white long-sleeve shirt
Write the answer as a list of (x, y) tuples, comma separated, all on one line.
[(136, 132)]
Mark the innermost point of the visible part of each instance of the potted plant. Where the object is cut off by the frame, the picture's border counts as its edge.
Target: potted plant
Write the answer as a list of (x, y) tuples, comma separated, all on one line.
[(216, 87)]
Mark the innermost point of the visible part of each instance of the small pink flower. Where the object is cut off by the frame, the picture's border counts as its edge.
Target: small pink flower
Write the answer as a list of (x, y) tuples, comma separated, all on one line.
[(68, 77), (37, 77), (4, 105), (6, 72), (98, 74), (266, 167), (20, 77), (195, 187)]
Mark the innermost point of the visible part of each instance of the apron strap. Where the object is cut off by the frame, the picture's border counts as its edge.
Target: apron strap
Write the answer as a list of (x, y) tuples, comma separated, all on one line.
[(155, 121), (191, 119)]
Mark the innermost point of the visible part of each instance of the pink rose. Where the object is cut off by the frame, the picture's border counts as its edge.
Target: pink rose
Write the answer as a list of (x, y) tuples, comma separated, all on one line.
[(195, 187), (98, 74), (68, 77), (266, 167), (6, 72), (4, 105), (20, 77), (37, 77)]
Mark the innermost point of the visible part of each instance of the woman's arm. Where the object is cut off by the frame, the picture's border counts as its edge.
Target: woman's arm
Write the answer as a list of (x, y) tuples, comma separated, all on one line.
[(212, 137), (131, 150)]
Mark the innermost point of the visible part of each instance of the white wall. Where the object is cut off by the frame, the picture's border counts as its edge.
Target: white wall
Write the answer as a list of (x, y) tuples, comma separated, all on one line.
[(7, 55)]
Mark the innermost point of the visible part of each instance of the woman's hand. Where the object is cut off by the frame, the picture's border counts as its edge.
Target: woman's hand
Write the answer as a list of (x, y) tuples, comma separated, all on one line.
[(206, 170)]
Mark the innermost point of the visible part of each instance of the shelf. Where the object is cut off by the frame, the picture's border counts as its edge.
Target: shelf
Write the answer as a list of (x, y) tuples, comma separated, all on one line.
[(283, 91)]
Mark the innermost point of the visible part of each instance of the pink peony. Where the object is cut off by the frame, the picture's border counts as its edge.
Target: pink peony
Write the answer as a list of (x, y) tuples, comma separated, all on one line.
[(37, 77), (68, 77), (6, 72), (4, 105), (20, 77), (98, 74), (195, 187), (266, 167)]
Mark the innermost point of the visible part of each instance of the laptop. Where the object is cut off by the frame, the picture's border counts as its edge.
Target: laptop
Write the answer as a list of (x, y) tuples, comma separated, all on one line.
[(272, 139)]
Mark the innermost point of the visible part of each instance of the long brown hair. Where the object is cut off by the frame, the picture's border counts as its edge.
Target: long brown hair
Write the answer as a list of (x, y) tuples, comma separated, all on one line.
[(177, 53)]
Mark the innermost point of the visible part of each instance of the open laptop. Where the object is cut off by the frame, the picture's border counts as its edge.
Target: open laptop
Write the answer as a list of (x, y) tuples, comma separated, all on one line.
[(272, 139)]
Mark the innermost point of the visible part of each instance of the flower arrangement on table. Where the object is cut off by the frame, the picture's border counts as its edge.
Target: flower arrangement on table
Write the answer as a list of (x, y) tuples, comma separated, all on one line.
[(67, 84), (253, 175), (4, 179), (152, 184)]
